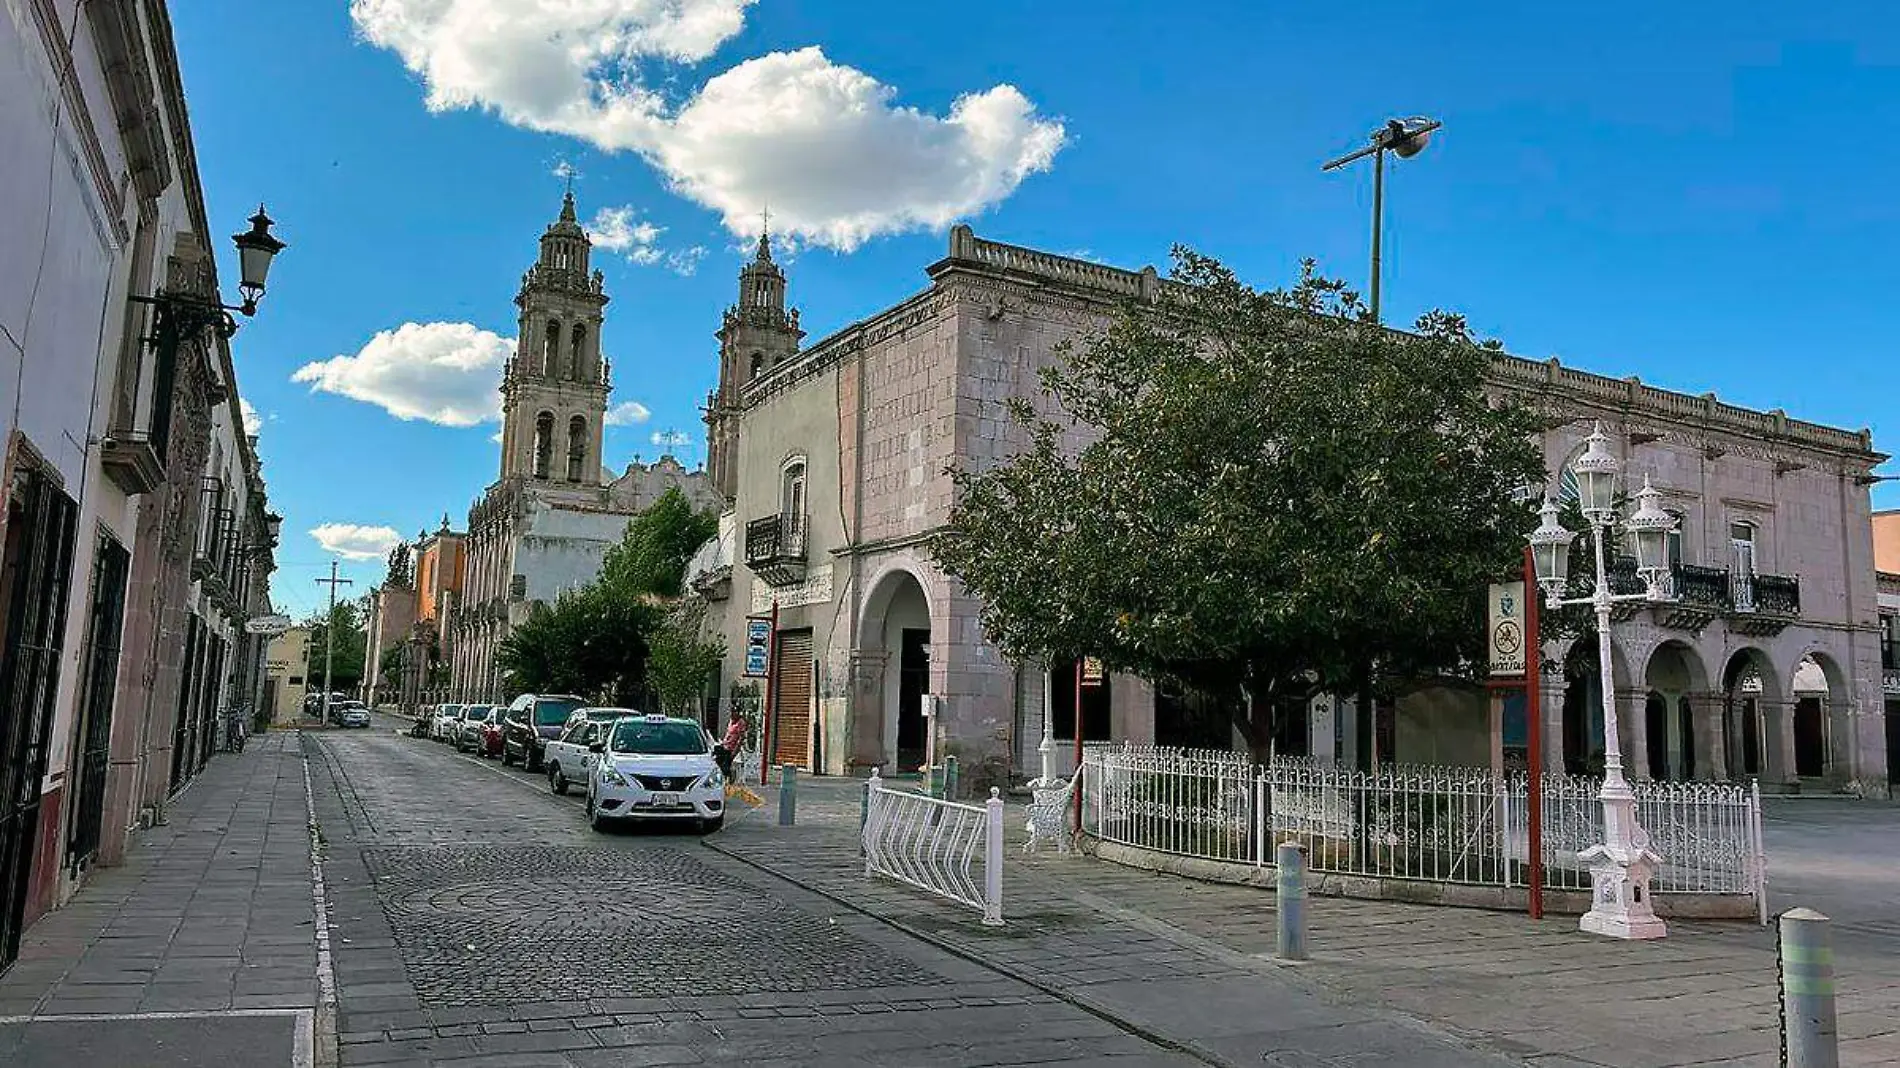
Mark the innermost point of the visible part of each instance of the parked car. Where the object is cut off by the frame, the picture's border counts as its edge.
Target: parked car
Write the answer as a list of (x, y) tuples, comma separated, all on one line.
[(655, 767), (468, 733), (533, 719), (339, 709), (570, 757), (355, 714), (446, 716), (491, 735)]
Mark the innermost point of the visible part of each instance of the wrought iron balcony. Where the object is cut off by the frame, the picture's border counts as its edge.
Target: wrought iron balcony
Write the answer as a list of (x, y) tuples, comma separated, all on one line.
[(1778, 595), (1701, 587), (775, 549)]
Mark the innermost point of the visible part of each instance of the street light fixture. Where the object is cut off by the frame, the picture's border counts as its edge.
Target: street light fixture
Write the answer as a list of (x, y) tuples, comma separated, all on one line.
[(1404, 138), (183, 316), (1623, 864)]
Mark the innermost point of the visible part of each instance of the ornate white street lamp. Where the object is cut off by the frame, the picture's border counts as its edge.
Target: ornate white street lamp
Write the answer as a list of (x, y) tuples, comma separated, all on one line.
[(1622, 865)]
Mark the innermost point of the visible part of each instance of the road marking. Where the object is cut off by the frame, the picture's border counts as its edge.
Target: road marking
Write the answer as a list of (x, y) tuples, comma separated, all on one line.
[(326, 974), (302, 1051)]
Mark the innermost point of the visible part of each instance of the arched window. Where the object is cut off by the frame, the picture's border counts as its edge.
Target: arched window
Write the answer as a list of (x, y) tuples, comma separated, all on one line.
[(577, 352), (543, 443), (550, 347), (792, 497), (758, 364), (576, 448)]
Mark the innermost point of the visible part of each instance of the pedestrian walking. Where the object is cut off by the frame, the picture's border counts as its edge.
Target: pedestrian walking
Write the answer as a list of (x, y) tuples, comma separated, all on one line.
[(727, 751)]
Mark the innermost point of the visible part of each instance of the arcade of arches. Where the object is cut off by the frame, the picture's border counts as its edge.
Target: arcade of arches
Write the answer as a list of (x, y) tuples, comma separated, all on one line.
[(1684, 723)]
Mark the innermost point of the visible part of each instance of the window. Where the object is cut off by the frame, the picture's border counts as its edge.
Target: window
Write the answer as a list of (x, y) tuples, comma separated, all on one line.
[(1742, 539), (1890, 643), (577, 353), (576, 448), (792, 499), (758, 364), (1674, 540), (543, 443), (550, 347)]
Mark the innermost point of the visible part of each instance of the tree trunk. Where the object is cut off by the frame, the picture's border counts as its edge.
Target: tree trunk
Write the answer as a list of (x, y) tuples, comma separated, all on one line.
[(1256, 723)]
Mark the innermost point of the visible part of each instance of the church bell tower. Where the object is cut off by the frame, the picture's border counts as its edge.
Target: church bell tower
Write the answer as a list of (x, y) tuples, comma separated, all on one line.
[(757, 335), (554, 392)]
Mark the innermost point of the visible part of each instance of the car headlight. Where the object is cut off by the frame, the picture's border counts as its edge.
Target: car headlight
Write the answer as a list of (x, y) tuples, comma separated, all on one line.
[(611, 776), (713, 780)]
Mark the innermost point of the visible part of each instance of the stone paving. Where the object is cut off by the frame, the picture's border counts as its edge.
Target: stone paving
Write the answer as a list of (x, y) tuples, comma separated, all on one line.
[(1540, 991), (199, 947), (382, 799)]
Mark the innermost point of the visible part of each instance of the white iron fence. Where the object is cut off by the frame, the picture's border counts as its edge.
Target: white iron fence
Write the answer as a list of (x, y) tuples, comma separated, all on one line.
[(935, 845), (1435, 824)]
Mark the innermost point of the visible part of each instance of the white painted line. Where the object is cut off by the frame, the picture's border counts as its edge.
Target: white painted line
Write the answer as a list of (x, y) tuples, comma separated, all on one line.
[(302, 1049), (326, 973)]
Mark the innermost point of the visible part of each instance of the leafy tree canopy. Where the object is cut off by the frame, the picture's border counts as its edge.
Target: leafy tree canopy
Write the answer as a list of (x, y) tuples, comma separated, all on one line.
[(1277, 495), (402, 570), (347, 657), (651, 558), (682, 664)]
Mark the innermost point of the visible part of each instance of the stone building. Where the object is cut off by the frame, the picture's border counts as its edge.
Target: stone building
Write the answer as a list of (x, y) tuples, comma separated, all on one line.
[(835, 458), (1889, 596), (287, 676), (546, 523), (1887, 540), (136, 534)]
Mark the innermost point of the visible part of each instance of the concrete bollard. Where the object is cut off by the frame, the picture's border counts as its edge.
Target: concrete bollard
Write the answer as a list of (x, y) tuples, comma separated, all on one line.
[(787, 795), (1809, 1036), (1290, 881), (949, 778)]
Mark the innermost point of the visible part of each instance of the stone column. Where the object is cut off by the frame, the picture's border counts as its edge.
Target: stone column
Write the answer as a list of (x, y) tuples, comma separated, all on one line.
[(1707, 709), (1632, 716), (1551, 709), (864, 716), (1777, 713)]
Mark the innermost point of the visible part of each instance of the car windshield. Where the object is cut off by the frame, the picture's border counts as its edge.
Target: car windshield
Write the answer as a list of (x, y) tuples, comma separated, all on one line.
[(657, 739), (554, 712)]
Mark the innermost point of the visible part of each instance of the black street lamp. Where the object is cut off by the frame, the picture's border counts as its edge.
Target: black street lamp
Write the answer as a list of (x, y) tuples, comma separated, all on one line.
[(183, 316), (1405, 138)]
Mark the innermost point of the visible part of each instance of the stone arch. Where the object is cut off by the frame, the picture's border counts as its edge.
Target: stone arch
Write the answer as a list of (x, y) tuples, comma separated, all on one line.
[(1821, 692), (1751, 706), (1677, 737), (577, 353), (543, 443), (550, 347), (1581, 721), (893, 653), (576, 448)]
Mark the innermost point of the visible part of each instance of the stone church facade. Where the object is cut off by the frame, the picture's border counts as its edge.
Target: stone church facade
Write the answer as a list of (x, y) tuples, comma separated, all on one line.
[(832, 462), (545, 525)]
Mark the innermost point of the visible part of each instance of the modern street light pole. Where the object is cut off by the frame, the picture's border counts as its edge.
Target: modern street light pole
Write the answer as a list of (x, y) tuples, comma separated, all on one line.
[(1406, 138), (1622, 865)]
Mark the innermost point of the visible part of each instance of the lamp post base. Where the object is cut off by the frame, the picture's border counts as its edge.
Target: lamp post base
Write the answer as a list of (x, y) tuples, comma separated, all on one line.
[(1619, 900)]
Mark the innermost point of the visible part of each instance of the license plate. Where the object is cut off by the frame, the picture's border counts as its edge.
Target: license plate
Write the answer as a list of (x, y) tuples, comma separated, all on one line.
[(665, 800)]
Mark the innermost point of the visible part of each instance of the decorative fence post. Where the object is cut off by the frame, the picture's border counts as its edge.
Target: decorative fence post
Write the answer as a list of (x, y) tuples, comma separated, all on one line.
[(950, 773), (1806, 973), (787, 795), (871, 788), (993, 861), (1260, 817), (1290, 881), (864, 809)]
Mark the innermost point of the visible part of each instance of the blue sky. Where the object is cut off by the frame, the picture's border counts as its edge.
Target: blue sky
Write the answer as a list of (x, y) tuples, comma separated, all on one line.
[(1667, 193)]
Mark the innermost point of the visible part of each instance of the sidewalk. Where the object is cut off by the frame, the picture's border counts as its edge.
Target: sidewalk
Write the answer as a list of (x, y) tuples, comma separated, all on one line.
[(198, 950), (1114, 939)]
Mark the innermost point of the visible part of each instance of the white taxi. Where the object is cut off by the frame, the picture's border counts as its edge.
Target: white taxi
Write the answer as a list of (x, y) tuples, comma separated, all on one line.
[(655, 767)]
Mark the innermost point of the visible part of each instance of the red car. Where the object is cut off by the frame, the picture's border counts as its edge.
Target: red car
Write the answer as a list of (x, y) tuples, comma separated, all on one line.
[(491, 740)]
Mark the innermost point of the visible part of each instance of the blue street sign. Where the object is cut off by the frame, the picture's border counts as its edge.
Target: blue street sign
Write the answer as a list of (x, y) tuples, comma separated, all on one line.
[(758, 645)]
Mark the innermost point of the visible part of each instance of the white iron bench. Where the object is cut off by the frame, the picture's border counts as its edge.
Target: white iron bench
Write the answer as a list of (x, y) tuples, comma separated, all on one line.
[(1049, 807)]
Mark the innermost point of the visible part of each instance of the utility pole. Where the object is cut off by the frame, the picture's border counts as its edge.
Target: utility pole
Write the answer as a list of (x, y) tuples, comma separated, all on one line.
[(329, 634)]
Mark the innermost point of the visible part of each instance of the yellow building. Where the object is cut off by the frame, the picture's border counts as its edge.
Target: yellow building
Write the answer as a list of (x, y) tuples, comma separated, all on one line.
[(286, 675)]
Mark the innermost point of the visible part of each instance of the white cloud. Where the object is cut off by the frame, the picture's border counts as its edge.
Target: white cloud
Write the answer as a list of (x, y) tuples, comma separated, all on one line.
[(445, 373), (671, 437), (827, 146), (618, 230), (627, 413), (496, 437), (253, 422), (354, 542)]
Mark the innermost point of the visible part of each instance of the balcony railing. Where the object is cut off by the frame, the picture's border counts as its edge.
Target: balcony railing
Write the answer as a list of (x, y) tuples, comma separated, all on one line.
[(1714, 590), (1778, 595), (1702, 587), (775, 549)]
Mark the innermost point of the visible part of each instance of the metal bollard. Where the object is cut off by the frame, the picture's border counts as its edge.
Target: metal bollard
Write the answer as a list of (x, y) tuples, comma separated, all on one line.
[(1290, 881), (787, 795), (934, 784), (949, 778), (1809, 1036)]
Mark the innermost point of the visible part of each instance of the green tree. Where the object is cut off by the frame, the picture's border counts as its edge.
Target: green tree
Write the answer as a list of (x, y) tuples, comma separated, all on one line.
[(681, 663), (651, 558), (590, 642), (402, 570), (347, 658), (1278, 497)]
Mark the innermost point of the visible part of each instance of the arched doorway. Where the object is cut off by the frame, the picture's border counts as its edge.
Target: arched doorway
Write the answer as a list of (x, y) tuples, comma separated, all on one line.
[(894, 651), (1815, 684), (1747, 682), (1673, 678)]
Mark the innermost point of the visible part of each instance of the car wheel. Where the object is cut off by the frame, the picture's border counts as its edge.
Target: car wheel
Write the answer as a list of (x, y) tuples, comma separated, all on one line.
[(557, 781), (595, 820), (507, 758)]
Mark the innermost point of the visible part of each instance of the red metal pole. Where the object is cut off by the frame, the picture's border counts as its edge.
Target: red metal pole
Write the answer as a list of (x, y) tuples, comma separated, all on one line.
[(768, 740), (1078, 745), (1533, 693)]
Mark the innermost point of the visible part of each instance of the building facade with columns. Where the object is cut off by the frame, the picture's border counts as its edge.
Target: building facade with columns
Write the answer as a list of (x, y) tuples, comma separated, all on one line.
[(833, 462), (544, 526)]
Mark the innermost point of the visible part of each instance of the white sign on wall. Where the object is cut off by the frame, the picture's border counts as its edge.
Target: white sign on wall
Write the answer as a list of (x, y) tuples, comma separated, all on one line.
[(1504, 627)]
